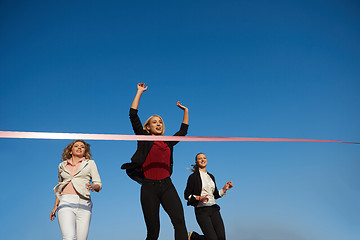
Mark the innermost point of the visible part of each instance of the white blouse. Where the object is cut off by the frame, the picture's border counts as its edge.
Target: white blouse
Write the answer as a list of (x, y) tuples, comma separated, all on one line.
[(208, 188)]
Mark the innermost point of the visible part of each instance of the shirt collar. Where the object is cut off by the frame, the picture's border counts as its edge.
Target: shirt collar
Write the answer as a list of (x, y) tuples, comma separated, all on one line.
[(69, 161)]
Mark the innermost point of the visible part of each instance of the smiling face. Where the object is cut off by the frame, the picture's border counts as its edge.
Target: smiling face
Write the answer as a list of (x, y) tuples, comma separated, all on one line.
[(201, 161), (155, 125), (78, 149)]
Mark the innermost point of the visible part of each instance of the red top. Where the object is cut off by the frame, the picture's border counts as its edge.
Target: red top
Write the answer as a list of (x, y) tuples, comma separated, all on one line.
[(157, 163)]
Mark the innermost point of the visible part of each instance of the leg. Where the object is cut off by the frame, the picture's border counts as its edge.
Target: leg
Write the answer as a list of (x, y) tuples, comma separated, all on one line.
[(218, 223), (83, 217), (203, 217), (172, 205), (150, 206), (196, 236), (66, 218)]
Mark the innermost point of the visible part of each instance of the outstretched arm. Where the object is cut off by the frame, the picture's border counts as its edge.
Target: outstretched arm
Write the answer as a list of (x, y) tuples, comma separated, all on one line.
[(140, 89), (186, 113)]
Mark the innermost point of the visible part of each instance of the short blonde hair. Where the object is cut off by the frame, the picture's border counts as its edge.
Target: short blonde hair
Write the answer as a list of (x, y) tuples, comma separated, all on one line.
[(66, 153), (147, 123)]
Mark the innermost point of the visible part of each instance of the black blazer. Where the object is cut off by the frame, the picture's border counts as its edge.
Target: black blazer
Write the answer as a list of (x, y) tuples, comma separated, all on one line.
[(133, 169), (194, 187)]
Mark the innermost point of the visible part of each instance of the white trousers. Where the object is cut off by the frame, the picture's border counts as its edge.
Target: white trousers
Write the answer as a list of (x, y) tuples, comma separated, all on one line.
[(74, 215)]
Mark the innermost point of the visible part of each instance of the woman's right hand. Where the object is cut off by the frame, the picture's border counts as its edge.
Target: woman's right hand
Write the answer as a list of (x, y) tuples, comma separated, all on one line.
[(53, 213), (203, 199), (141, 87)]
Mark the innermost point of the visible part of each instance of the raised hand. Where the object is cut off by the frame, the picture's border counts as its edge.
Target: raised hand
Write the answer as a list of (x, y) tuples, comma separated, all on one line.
[(141, 87), (181, 106), (186, 112)]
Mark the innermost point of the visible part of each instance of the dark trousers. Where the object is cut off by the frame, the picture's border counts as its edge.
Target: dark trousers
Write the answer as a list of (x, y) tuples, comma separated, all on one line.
[(210, 222), (154, 193)]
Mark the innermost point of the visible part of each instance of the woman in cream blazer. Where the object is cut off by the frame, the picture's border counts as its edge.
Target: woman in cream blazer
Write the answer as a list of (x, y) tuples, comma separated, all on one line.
[(78, 175)]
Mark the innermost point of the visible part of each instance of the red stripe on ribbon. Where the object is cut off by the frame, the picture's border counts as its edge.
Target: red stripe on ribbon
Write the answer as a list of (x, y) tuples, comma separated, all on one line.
[(48, 135)]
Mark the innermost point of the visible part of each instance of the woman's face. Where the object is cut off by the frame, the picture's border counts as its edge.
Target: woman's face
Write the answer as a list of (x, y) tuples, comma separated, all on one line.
[(78, 150), (155, 126), (201, 161)]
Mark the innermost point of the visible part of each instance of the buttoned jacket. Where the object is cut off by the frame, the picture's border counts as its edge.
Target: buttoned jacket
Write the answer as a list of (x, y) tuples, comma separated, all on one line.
[(87, 171)]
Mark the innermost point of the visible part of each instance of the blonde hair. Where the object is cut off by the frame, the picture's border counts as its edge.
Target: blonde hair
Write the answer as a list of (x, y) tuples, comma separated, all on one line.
[(66, 153), (147, 123)]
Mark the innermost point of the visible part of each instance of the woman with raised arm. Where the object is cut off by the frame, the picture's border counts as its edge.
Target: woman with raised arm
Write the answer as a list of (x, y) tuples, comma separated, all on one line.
[(152, 166), (201, 192), (78, 175)]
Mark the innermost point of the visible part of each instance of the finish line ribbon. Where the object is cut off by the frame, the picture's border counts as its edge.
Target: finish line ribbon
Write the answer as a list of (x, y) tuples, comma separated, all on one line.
[(117, 137)]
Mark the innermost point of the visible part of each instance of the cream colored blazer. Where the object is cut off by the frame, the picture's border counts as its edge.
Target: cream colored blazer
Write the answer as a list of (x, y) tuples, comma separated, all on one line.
[(87, 171)]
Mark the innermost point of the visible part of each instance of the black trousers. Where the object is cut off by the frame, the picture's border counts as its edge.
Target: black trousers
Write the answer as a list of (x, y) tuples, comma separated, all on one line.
[(162, 192), (210, 222)]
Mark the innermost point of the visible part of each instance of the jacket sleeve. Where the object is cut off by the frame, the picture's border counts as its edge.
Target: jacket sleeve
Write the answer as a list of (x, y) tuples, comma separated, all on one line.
[(136, 123), (58, 187), (189, 191), (182, 132), (60, 179), (95, 177)]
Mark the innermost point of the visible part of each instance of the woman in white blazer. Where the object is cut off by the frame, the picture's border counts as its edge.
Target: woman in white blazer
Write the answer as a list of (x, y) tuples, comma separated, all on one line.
[(78, 175)]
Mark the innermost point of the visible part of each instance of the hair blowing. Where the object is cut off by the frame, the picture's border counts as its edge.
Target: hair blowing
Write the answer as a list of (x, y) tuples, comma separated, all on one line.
[(195, 167)]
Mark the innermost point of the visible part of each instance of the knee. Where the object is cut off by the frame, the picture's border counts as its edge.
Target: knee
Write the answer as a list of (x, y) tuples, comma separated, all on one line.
[(178, 221)]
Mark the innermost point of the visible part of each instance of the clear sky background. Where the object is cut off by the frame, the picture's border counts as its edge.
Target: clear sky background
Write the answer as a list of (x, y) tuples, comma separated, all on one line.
[(288, 69)]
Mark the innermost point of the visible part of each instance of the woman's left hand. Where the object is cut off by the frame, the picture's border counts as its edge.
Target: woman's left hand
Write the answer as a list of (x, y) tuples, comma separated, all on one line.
[(228, 185), (181, 106), (186, 112), (92, 188)]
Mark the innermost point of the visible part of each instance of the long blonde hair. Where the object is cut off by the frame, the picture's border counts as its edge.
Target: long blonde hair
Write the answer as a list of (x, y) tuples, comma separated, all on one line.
[(66, 153), (147, 123)]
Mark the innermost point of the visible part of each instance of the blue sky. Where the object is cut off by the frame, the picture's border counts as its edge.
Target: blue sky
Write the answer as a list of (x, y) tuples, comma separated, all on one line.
[(243, 68)]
